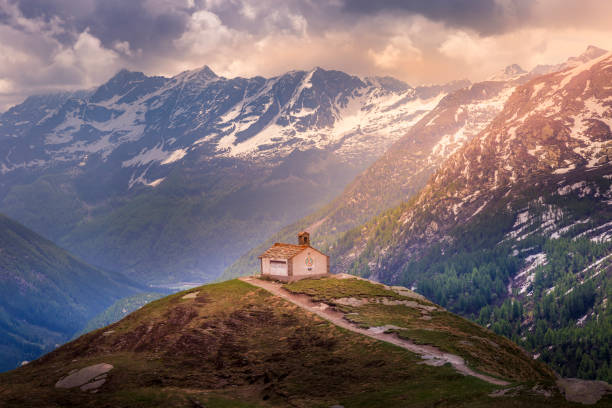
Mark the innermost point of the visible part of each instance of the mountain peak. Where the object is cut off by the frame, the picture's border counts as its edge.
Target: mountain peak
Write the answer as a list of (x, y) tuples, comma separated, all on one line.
[(126, 75), (120, 83), (590, 53), (514, 69), (594, 51), (390, 83), (510, 72), (203, 74)]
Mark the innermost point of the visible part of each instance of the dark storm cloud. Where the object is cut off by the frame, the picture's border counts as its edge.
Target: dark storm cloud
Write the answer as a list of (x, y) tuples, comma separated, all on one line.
[(153, 25), (484, 16), (120, 20), (144, 24)]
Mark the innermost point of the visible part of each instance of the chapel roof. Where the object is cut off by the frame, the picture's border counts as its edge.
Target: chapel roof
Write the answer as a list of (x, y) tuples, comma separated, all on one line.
[(283, 251)]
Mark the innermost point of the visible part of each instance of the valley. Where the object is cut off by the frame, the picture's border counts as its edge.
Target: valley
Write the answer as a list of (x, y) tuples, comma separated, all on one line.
[(46, 294), (406, 167), (169, 180)]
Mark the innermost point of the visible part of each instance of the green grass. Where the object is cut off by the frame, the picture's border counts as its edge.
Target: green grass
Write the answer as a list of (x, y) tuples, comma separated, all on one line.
[(329, 289)]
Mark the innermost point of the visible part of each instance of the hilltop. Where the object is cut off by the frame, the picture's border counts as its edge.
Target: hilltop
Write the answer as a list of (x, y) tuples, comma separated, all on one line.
[(234, 344)]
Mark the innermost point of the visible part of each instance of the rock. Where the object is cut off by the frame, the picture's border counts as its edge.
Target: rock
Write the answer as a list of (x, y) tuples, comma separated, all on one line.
[(506, 392), (191, 295), (351, 301), (583, 391), (384, 329), (84, 376), (93, 385)]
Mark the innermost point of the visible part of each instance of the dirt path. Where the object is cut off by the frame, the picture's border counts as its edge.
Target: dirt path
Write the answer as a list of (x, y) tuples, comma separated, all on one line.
[(431, 355)]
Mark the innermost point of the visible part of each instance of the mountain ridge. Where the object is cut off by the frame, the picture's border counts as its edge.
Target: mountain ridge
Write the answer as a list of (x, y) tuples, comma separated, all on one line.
[(120, 157), (534, 231)]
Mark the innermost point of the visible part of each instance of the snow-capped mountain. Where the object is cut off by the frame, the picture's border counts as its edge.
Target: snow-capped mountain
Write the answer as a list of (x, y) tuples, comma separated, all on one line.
[(117, 166), (555, 126), (513, 71), (145, 121), (401, 171), (520, 214), (589, 54), (408, 164)]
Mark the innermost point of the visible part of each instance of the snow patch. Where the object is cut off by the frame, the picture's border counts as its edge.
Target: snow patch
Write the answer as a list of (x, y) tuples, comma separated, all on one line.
[(155, 183), (175, 156), (565, 169)]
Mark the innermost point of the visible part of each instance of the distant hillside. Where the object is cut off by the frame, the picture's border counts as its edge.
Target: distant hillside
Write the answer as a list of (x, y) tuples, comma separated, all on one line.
[(236, 345), (46, 294)]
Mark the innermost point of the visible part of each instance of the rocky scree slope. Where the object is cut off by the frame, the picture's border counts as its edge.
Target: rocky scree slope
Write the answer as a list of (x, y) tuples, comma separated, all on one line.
[(233, 344), (516, 223), (142, 166)]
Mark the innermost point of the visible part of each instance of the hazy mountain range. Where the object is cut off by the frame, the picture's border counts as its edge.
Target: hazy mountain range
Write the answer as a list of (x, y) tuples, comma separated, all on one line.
[(406, 167), (520, 215), (169, 179)]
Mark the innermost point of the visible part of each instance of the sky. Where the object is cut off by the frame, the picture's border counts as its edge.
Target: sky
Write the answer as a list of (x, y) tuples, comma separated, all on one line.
[(50, 45)]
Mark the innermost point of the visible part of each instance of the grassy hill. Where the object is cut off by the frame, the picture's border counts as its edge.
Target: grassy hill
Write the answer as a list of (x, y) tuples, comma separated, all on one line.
[(235, 345)]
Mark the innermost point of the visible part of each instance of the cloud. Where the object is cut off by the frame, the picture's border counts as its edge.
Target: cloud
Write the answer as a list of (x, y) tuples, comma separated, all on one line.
[(205, 32), (87, 62), (399, 50), (49, 45), (483, 16)]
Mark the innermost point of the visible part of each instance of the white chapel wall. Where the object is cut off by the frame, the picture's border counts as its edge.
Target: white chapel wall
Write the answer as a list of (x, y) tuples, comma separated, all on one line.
[(317, 261)]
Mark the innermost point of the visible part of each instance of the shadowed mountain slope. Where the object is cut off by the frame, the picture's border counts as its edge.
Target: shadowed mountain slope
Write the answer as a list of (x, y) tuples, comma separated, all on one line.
[(46, 295)]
